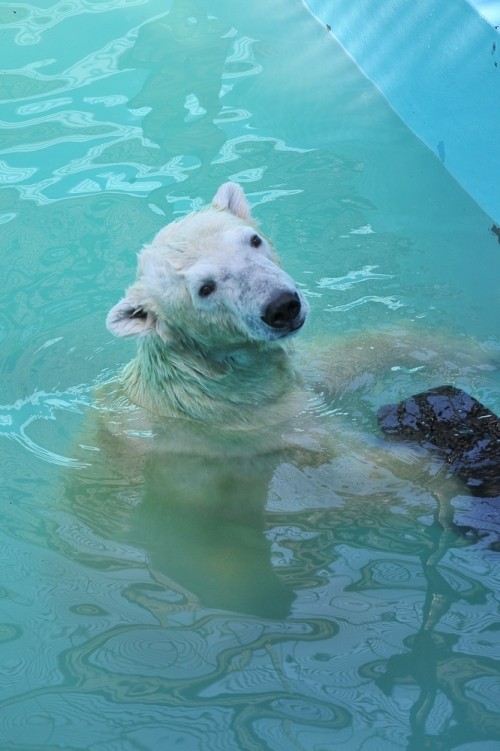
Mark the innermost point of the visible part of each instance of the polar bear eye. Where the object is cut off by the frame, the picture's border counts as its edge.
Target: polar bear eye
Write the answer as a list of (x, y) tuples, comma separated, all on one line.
[(206, 289), (255, 241), (138, 313)]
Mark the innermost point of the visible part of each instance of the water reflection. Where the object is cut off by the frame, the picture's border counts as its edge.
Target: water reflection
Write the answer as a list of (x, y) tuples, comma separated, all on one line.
[(198, 516), (377, 576), (201, 531), (184, 53), (433, 660)]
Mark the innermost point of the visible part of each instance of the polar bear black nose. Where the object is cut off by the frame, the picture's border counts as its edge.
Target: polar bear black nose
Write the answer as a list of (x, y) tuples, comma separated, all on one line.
[(282, 311)]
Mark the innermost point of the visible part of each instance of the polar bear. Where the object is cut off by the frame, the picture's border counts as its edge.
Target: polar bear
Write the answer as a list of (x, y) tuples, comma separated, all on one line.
[(216, 408), (214, 311), (214, 314)]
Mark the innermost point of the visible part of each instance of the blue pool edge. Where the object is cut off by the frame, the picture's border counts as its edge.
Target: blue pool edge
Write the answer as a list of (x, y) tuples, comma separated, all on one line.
[(438, 66)]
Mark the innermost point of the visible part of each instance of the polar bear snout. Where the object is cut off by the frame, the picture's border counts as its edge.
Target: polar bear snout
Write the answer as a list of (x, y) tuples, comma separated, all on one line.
[(284, 312)]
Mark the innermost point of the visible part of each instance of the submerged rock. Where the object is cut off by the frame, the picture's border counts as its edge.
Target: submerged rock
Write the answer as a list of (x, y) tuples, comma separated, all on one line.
[(449, 421)]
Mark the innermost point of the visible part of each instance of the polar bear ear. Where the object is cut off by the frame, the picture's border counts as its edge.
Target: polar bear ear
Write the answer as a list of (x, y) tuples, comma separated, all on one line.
[(128, 318), (230, 196)]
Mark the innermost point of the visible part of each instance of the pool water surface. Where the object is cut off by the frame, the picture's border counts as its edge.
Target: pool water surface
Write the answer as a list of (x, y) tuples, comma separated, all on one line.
[(342, 606)]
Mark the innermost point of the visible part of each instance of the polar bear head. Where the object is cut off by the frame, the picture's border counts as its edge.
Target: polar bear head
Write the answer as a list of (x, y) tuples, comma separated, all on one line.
[(212, 279)]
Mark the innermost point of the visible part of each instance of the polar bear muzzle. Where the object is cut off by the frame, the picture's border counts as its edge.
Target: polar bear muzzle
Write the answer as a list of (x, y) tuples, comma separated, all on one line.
[(284, 312)]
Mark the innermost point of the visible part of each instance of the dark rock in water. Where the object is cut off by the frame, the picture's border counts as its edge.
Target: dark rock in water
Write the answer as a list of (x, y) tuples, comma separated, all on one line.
[(450, 421)]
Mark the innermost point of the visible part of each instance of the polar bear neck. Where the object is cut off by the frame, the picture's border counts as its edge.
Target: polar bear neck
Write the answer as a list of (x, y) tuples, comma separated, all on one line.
[(250, 386)]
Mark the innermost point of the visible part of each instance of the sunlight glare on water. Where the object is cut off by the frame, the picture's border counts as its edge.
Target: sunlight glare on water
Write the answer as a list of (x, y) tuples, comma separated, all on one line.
[(348, 608)]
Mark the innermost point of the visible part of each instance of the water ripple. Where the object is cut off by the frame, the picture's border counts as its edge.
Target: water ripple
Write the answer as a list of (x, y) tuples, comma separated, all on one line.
[(229, 150), (352, 278), (10, 175), (70, 125), (35, 108), (15, 420), (486, 690), (33, 21), (390, 302), (242, 61)]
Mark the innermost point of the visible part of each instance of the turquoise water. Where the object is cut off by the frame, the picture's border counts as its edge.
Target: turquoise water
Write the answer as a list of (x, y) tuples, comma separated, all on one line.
[(347, 616)]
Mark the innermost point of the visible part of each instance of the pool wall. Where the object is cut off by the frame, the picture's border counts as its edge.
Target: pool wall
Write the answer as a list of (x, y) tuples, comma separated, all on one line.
[(438, 65)]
